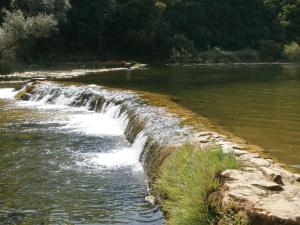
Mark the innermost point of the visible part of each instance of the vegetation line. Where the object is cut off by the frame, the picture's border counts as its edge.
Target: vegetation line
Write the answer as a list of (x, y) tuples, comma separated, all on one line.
[(179, 31)]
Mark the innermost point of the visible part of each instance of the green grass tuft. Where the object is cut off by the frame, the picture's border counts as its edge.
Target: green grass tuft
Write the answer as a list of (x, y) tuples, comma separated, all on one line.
[(186, 180)]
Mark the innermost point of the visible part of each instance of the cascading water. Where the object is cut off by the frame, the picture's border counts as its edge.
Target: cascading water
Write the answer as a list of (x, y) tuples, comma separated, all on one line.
[(70, 161), (137, 119), (6, 93)]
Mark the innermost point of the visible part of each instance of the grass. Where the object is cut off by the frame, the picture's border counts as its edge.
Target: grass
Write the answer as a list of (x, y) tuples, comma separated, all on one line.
[(187, 178)]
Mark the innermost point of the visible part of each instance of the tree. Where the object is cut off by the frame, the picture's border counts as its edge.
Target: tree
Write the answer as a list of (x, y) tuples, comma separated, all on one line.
[(4, 4), (58, 8), (293, 21), (19, 34), (86, 24)]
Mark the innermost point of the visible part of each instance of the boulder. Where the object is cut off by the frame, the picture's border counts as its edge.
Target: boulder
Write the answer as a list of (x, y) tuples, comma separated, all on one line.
[(262, 194)]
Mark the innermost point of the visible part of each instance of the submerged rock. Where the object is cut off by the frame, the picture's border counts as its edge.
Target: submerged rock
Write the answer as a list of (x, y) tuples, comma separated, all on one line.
[(151, 199)]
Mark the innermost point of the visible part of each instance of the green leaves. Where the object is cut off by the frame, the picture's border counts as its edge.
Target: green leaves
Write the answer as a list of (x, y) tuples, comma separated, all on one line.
[(18, 34)]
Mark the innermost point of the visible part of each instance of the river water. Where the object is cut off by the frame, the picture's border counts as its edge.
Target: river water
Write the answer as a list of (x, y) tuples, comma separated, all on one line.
[(61, 164), (67, 165), (260, 103)]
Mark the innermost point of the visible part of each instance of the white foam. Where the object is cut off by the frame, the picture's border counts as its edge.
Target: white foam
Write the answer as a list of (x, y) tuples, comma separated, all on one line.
[(94, 124), (7, 93), (122, 157), (109, 122)]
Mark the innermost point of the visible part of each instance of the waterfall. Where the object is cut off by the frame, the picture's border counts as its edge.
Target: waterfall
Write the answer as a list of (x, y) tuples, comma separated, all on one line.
[(112, 112), (7, 93)]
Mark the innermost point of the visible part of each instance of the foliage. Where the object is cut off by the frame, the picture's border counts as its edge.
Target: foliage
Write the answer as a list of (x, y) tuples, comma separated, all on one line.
[(187, 178), (292, 51), (247, 55), (8, 66), (18, 35), (159, 29), (182, 49), (269, 50), (57, 8)]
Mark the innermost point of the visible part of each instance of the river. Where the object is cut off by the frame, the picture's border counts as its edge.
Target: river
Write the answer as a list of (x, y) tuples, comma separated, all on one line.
[(260, 103), (67, 165), (63, 164)]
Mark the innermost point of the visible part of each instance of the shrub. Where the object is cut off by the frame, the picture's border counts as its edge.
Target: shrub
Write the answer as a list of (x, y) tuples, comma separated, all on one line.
[(269, 50), (6, 67), (19, 34), (247, 55), (9, 64), (187, 178), (183, 49), (292, 51)]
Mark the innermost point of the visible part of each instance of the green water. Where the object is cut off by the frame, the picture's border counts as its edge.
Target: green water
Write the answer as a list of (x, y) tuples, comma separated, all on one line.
[(259, 103)]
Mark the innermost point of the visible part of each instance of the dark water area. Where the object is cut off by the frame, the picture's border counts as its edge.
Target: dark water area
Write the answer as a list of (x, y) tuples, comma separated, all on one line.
[(260, 103), (66, 165)]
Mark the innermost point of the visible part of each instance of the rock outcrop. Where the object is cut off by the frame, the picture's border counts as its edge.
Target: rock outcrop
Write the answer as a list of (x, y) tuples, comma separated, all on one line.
[(268, 193)]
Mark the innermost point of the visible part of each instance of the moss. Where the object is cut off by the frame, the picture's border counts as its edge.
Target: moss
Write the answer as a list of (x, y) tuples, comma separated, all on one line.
[(23, 92), (187, 177)]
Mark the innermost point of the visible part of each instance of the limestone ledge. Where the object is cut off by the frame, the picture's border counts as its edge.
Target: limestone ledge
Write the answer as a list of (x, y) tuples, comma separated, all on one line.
[(267, 192)]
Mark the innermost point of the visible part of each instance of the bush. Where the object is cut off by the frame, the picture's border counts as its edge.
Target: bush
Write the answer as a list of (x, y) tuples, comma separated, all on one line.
[(292, 51), (9, 65), (183, 49), (19, 35), (187, 178), (247, 55), (6, 67), (269, 50)]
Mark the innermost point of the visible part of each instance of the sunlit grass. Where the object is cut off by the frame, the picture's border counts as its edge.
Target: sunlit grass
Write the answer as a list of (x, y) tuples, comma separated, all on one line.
[(187, 178)]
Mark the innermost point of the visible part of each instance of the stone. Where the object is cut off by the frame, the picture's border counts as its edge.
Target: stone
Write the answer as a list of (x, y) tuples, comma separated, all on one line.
[(239, 152), (259, 162), (255, 191), (34, 79), (267, 185), (151, 199), (273, 175), (247, 157)]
